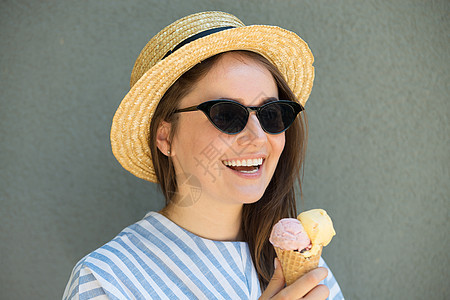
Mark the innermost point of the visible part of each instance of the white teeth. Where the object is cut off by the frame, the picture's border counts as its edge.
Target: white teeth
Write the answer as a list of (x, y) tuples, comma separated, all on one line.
[(249, 172), (245, 162)]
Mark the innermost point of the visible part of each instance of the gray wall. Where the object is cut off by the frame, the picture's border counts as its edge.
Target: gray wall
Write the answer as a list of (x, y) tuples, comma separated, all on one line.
[(378, 158)]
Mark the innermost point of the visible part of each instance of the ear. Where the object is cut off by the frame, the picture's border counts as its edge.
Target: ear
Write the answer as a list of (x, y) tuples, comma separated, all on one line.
[(162, 138)]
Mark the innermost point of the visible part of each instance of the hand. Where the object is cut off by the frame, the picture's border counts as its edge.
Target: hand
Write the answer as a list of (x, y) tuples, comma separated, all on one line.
[(306, 287)]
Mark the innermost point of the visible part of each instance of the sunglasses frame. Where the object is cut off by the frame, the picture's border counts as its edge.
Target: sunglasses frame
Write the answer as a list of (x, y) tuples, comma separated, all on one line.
[(205, 107)]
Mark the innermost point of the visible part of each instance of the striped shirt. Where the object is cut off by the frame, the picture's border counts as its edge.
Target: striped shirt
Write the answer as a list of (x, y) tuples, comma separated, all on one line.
[(156, 259)]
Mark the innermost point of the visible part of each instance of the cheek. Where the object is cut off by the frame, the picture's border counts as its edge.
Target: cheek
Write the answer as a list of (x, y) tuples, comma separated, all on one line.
[(197, 137), (278, 142)]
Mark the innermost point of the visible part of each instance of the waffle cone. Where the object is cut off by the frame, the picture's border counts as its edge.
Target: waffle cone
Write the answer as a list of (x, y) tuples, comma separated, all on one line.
[(295, 265)]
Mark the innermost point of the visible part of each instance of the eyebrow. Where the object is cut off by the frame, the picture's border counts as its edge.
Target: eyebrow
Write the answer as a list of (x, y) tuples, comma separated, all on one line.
[(265, 100)]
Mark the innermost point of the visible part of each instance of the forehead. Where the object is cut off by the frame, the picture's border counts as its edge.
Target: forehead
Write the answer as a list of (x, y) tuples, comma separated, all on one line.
[(234, 76)]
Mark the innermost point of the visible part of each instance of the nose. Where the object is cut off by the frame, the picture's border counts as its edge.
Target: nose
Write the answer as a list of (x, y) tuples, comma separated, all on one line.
[(252, 133)]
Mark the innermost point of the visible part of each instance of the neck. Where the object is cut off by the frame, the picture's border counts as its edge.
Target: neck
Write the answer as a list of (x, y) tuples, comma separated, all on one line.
[(214, 221)]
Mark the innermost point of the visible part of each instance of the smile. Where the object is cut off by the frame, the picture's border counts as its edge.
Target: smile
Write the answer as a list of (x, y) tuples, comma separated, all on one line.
[(247, 166)]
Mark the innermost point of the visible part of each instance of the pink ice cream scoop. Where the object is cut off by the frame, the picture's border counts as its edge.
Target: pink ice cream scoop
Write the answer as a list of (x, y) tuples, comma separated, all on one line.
[(289, 234)]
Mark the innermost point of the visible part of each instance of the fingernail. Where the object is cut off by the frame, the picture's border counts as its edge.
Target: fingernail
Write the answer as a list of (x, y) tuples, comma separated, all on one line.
[(275, 263)]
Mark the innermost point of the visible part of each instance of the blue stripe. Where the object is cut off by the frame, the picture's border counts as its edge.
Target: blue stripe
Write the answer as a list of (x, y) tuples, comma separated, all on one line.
[(86, 278), (211, 256), (76, 275), (230, 259), (163, 247), (198, 261), (218, 266), (95, 293), (248, 270), (231, 280), (74, 278), (331, 283), (200, 242), (130, 265), (74, 291), (147, 269), (119, 273), (92, 293), (105, 275), (157, 261)]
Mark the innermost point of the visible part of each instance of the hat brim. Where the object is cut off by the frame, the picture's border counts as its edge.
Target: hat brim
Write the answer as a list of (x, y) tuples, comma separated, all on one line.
[(131, 123)]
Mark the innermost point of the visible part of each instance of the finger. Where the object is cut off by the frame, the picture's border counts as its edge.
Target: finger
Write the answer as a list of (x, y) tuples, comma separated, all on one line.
[(308, 281), (276, 284), (320, 292)]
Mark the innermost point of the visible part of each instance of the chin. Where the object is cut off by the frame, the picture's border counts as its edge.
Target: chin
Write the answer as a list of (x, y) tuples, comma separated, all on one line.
[(251, 198)]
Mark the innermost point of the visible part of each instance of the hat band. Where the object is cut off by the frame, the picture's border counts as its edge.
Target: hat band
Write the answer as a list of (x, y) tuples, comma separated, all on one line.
[(196, 37)]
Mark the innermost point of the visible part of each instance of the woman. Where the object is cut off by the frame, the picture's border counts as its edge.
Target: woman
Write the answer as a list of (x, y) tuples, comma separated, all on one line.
[(213, 117)]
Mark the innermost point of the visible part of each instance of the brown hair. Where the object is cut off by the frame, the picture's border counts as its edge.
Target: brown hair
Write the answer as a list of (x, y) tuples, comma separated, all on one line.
[(278, 200)]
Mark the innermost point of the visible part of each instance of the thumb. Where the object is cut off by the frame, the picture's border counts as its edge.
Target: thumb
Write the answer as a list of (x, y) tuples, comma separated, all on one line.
[(276, 283)]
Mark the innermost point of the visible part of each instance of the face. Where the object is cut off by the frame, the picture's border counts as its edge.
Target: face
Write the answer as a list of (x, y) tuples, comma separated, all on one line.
[(216, 158)]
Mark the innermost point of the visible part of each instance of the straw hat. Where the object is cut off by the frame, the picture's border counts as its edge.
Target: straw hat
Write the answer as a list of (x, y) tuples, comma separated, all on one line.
[(179, 47)]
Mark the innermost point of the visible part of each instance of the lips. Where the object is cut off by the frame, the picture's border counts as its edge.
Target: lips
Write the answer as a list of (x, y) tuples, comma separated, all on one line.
[(247, 166)]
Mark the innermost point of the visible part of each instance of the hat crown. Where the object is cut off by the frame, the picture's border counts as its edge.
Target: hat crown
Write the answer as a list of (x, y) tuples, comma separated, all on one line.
[(174, 34)]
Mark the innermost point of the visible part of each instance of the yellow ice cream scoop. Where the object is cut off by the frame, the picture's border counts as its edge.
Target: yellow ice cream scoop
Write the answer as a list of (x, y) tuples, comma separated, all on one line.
[(318, 226)]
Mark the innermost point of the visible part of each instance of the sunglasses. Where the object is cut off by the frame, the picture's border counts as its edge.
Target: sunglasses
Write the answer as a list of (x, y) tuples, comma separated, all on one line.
[(231, 117)]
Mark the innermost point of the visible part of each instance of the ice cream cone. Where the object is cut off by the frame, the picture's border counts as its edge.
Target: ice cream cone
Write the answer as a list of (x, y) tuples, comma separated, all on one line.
[(295, 265)]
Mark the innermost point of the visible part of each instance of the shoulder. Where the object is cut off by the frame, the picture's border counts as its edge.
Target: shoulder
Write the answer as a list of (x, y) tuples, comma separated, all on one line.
[(154, 258), (118, 266), (83, 284), (331, 283)]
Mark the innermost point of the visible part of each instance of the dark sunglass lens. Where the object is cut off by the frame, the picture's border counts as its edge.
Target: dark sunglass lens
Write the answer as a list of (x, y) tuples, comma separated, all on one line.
[(277, 117), (228, 117)]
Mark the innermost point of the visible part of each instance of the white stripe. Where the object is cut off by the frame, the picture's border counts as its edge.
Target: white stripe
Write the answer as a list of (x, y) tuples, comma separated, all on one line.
[(91, 285), (173, 266), (212, 247), (240, 259), (331, 282), (334, 290), (216, 253), (254, 294), (330, 275), (255, 284), (155, 268), (197, 283), (236, 256), (105, 283), (187, 260), (137, 265), (69, 289), (101, 297), (124, 268), (226, 265)]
